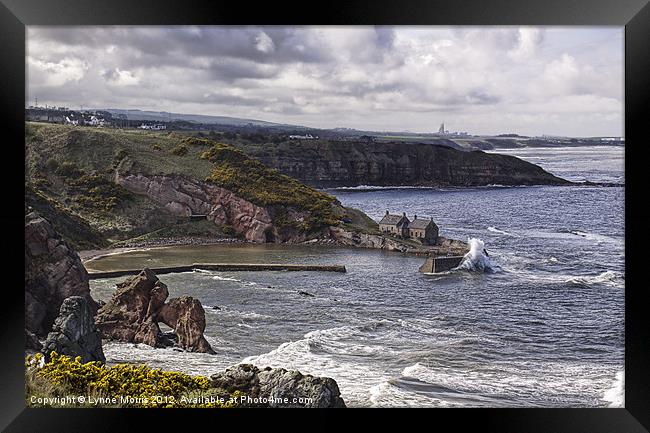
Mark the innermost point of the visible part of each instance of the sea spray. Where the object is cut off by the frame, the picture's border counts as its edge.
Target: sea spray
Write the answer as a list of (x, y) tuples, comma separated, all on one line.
[(476, 259)]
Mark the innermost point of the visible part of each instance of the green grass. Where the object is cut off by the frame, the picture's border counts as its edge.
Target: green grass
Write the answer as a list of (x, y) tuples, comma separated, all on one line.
[(75, 167)]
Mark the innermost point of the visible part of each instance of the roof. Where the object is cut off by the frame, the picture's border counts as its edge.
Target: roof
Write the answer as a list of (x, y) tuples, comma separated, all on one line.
[(391, 219), (420, 223)]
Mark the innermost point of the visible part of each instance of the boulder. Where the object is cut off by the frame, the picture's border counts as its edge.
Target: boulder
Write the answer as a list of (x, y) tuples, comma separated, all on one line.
[(53, 272), (74, 332), (130, 314), (187, 317), (272, 386), (138, 305)]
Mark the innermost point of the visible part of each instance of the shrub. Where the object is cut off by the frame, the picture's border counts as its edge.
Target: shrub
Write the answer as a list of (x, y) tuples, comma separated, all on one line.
[(156, 147), (51, 164), (179, 150), (132, 385), (69, 169), (264, 186), (94, 192)]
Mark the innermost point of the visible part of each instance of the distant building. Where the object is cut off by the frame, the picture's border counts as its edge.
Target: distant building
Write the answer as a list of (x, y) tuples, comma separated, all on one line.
[(303, 137), (420, 229), (394, 224), (441, 130), (157, 127), (425, 230)]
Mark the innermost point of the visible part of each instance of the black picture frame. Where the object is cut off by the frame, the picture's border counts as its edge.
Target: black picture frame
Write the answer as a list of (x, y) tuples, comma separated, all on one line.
[(633, 14)]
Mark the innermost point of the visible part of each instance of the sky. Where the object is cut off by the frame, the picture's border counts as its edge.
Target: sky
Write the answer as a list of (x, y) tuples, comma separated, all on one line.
[(483, 80)]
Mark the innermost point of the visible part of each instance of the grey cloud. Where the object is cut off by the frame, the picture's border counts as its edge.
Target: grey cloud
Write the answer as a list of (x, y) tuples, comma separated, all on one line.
[(313, 75)]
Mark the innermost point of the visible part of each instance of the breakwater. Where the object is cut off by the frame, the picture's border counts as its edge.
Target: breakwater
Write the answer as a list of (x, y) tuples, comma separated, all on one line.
[(221, 267)]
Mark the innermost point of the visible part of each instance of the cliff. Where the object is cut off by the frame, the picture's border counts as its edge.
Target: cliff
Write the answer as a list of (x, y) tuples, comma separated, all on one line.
[(117, 185), (328, 164)]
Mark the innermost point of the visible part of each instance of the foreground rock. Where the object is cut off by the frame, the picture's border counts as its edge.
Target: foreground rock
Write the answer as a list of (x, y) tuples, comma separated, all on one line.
[(74, 332), (53, 272), (279, 387), (138, 305)]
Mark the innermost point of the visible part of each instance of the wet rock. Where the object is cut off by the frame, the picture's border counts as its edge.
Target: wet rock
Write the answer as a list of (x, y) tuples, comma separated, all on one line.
[(130, 314), (138, 305), (53, 272), (303, 293), (74, 332), (216, 307), (280, 387), (187, 317)]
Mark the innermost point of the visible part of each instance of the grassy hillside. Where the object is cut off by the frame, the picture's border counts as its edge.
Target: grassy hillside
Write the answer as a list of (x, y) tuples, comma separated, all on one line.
[(73, 169)]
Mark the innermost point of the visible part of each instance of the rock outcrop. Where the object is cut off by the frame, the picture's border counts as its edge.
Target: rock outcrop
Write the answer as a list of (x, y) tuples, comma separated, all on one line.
[(53, 272), (184, 197), (74, 332), (278, 387), (187, 317), (138, 305), (327, 164)]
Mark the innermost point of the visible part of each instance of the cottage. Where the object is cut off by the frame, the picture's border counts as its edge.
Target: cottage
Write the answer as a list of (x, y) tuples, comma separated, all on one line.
[(394, 224), (425, 230)]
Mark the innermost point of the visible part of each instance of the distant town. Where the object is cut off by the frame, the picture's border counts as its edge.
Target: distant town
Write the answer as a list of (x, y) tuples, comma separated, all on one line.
[(160, 121)]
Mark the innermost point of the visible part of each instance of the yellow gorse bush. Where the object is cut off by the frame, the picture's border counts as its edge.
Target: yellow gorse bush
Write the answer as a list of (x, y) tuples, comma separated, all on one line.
[(140, 383)]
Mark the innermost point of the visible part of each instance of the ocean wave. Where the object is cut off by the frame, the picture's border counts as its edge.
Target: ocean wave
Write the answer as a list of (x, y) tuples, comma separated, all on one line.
[(496, 230), (476, 259), (598, 238), (607, 277), (616, 394), (231, 313), (518, 384)]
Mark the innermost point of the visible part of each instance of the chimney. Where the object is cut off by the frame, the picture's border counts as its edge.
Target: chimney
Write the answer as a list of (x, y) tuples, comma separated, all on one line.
[(404, 214), (415, 217), (386, 211)]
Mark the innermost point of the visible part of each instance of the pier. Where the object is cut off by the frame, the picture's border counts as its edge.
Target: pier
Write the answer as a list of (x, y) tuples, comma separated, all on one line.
[(440, 264), (221, 267)]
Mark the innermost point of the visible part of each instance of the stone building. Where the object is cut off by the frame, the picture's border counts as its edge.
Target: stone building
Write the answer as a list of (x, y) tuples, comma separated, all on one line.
[(394, 224), (424, 230)]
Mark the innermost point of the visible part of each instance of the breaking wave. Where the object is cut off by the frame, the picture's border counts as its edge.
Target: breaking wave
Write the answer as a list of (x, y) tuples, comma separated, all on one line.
[(476, 259), (607, 277)]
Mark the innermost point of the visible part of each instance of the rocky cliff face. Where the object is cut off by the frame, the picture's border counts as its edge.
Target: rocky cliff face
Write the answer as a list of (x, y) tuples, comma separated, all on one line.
[(326, 164), (184, 197), (53, 272)]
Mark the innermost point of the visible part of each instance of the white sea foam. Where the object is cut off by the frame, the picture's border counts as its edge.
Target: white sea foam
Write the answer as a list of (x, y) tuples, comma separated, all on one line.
[(519, 384), (222, 278), (607, 277), (616, 394), (496, 230), (475, 259)]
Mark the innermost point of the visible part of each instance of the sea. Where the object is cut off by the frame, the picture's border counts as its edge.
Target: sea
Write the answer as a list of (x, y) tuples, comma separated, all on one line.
[(537, 322)]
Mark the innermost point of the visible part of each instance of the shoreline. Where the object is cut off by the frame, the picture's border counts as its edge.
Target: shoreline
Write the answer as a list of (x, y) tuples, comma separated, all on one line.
[(87, 256)]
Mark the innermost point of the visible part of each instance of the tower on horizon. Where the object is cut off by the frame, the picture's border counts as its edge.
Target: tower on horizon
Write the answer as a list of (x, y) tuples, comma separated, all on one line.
[(442, 128)]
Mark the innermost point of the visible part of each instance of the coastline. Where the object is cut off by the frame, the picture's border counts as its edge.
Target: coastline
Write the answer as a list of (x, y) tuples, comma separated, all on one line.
[(446, 247)]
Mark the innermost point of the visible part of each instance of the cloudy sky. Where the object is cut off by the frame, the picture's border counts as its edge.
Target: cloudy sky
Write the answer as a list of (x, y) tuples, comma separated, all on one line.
[(483, 80)]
